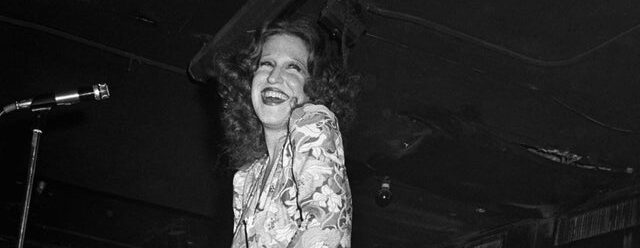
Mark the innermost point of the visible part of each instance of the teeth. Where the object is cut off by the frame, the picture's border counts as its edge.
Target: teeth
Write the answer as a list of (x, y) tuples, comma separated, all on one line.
[(275, 94)]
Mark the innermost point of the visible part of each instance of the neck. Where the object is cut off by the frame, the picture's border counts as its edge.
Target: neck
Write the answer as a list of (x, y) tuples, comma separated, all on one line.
[(273, 139)]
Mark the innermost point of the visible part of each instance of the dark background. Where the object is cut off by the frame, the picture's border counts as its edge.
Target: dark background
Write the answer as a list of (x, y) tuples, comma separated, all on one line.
[(126, 168), (151, 140), (454, 96)]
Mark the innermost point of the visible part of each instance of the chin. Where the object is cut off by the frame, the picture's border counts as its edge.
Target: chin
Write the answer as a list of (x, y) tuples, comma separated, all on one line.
[(274, 116)]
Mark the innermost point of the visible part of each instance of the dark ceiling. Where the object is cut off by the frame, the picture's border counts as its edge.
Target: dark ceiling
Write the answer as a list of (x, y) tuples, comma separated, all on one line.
[(482, 114)]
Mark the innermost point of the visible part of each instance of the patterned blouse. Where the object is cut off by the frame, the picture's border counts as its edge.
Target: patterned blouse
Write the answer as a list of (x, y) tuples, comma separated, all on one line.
[(303, 199)]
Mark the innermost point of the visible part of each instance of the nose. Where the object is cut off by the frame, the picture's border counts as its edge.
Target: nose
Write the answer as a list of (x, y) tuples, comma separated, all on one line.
[(275, 76)]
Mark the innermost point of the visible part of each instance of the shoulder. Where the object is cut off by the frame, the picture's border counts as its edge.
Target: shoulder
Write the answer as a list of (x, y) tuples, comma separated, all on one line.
[(314, 129), (311, 115)]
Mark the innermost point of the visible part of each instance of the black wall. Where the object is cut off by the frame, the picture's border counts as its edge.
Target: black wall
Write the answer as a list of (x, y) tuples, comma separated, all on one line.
[(154, 140)]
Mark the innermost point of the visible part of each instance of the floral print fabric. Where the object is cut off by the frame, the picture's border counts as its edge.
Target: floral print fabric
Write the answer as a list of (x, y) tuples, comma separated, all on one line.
[(303, 199)]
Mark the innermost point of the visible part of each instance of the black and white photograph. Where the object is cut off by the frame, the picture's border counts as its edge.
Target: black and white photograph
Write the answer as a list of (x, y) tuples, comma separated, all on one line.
[(320, 124)]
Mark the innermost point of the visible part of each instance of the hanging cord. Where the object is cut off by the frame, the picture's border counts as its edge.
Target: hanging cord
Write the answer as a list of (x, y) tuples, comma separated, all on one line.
[(246, 234), (622, 130), (573, 109), (463, 36), (293, 155)]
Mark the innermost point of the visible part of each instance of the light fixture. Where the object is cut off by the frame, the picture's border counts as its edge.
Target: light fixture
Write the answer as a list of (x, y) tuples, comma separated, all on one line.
[(383, 198)]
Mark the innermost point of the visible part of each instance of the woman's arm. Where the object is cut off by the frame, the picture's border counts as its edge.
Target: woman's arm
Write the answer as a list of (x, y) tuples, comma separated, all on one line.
[(324, 196)]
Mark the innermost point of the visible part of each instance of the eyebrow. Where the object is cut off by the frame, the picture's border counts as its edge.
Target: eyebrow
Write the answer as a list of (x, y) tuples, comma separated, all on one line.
[(295, 59)]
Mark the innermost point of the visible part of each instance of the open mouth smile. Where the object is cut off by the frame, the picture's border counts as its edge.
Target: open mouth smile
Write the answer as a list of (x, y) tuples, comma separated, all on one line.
[(273, 96)]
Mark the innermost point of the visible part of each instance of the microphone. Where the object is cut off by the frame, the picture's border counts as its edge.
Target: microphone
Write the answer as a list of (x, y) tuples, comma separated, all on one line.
[(96, 92)]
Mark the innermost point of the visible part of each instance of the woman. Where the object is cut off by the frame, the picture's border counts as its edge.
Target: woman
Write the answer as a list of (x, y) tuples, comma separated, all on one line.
[(291, 187)]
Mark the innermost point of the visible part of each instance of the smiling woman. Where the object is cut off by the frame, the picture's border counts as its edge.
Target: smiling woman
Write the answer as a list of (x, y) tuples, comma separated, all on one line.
[(282, 99), (278, 83)]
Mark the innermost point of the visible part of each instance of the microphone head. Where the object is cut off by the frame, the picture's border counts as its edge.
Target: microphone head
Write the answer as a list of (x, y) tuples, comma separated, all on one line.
[(101, 92)]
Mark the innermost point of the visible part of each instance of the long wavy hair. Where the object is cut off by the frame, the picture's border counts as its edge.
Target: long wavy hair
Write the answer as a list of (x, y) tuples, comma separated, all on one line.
[(329, 84)]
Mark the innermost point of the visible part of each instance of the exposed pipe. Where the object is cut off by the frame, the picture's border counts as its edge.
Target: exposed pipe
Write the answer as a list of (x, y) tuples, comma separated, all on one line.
[(506, 51), (545, 63)]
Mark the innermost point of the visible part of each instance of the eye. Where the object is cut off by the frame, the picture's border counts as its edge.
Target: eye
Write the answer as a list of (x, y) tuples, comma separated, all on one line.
[(295, 67), (265, 63)]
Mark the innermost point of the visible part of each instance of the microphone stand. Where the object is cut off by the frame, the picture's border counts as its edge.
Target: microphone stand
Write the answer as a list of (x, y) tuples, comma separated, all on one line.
[(33, 158)]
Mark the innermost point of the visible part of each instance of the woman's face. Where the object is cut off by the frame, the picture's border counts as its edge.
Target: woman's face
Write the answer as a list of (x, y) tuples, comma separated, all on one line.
[(279, 79)]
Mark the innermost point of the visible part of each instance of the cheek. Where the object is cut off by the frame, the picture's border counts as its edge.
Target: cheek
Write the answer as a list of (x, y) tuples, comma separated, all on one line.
[(298, 86), (258, 78)]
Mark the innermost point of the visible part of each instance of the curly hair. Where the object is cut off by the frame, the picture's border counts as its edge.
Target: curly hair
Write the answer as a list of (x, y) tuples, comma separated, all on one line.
[(329, 84)]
